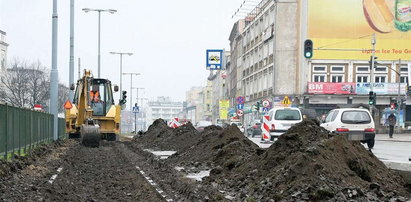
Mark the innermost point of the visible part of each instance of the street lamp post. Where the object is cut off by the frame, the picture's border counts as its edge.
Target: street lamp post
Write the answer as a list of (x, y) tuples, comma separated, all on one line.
[(135, 114), (112, 11), (121, 66), (131, 89)]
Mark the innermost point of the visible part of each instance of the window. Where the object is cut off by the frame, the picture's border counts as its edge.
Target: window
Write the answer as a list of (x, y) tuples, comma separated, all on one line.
[(404, 69), (337, 68), (337, 78), (287, 114), (355, 117), (363, 69), (362, 78), (380, 79), (404, 79), (319, 78), (381, 69), (319, 69)]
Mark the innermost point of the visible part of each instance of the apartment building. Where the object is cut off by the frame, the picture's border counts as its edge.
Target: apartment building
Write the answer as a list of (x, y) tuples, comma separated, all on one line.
[(3, 50), (162, 107)]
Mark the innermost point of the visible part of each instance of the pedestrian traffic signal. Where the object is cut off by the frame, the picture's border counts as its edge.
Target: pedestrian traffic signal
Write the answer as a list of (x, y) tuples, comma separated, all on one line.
[(372, 98), (375, 61), (308, 48)]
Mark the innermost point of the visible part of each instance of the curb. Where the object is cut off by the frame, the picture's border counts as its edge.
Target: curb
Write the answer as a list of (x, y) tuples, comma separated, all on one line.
[(403, 168)]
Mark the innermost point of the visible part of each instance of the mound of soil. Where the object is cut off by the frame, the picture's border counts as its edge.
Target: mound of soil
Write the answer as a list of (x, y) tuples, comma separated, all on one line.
[(222, 149), (308, 163), (161, 137), (20, 162)]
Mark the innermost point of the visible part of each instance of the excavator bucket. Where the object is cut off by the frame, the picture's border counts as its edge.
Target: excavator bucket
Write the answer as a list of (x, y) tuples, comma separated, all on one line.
[(90, 135)]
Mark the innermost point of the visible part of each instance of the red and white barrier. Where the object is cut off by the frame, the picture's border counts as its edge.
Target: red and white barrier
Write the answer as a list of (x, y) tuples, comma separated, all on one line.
[(266, 128), (174, 123)]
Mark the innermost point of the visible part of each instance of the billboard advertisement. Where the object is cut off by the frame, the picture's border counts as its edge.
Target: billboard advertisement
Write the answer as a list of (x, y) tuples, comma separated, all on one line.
[(355, 88), (381, 88), (331, 88), (224, 105), (349, 24)]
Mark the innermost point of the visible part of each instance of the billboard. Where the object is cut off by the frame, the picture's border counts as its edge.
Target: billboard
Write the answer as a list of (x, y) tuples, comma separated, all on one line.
[(381, 88), (331, 88), (223, 106), (355, 88), (349, 24)]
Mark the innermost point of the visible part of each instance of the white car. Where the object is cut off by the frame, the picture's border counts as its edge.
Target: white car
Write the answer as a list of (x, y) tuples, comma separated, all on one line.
[(355, 123), (282, 118)]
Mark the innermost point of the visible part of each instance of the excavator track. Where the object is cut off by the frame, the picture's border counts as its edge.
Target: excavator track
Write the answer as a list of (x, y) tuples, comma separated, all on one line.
[(90, 135)]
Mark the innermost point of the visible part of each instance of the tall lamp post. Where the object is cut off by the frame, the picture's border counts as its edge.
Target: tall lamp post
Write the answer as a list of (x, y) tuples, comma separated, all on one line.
[(135, 114), (112, 11), (131, 89), (121, 66)]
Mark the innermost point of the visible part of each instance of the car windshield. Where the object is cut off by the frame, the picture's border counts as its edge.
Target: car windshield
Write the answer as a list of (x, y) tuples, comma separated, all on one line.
[(287, 114), (355, 117)]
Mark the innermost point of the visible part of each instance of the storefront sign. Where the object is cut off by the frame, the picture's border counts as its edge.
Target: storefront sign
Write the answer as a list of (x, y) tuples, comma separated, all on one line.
[(331, 88), (224, 104), (380, 88)]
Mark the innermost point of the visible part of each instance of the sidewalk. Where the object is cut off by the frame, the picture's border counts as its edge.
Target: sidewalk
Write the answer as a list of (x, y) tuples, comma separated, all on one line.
[(403, 137)]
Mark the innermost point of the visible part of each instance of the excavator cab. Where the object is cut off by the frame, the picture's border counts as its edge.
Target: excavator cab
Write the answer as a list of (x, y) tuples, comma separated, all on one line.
[(93, 114)]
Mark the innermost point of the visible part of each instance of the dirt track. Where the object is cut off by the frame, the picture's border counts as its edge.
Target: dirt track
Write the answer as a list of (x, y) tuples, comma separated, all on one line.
[(88, 174)]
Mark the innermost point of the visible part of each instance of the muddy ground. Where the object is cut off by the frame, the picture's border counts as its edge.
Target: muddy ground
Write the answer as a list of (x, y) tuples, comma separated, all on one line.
[(88, 174), (305, 164)]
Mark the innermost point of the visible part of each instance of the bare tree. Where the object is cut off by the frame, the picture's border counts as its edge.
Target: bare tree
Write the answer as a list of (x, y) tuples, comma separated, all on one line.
[(26, 85)]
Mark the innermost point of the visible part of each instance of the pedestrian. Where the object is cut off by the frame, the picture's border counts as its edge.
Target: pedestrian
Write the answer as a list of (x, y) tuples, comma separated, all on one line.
[(392, 120)]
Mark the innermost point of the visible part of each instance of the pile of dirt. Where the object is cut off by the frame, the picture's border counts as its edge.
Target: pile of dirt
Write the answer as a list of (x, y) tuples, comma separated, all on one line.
[(17, 163), (161, 137), (308, 163), (219, 149)]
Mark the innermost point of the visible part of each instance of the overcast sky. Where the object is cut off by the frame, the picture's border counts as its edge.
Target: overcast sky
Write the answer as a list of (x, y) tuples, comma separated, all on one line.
[(168, 39)]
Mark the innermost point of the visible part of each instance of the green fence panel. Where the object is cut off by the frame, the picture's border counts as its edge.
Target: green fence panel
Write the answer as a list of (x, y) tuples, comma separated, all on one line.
[(3, 130), (23, 129)]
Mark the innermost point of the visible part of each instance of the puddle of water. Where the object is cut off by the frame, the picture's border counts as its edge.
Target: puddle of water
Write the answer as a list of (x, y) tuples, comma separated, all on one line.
[(199, 176), (161, 154)]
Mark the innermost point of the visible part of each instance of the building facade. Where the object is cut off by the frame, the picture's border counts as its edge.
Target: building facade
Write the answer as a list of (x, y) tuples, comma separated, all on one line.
[(162, 107), (271, 66), (3, 50)]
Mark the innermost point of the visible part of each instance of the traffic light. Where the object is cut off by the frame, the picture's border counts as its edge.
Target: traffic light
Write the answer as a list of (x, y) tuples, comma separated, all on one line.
[(393, 104), (372, 98), (308, 48), (375, 61), (258, 106)]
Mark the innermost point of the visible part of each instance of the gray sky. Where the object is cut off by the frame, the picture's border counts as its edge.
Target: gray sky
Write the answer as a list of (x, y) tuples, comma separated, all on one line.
[(168, 38)]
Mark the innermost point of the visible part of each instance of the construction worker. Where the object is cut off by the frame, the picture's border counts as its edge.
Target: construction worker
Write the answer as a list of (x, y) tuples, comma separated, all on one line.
[(97, 105)]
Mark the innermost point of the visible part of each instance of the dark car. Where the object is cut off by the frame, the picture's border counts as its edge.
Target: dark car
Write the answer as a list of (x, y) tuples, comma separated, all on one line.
[(254, 130)]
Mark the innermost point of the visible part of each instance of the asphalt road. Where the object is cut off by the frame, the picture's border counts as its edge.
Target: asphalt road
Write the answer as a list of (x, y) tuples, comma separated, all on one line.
[(397, 149)]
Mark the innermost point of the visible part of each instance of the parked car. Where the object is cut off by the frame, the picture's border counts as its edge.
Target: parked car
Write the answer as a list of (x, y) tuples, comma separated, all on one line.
[(254, 130), (202, 124), (354, 123), (282, 118)]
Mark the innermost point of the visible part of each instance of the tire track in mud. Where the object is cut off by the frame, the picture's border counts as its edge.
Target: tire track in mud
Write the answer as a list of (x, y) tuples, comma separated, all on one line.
[(99, 174)]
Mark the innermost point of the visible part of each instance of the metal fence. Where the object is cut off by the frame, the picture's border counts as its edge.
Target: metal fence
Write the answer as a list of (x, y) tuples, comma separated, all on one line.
[(23, 129)]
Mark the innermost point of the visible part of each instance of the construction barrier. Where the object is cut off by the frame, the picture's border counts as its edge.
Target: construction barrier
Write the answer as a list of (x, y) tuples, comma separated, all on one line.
[(23, 129), (266, 128), (174, 123)]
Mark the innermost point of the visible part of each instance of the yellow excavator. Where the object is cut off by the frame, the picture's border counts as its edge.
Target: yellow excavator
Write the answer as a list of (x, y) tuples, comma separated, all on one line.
[(92, 114)]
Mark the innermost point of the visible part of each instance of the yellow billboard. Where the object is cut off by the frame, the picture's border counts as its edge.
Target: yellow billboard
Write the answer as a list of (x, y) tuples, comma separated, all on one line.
[(338, 25), (224, 105)]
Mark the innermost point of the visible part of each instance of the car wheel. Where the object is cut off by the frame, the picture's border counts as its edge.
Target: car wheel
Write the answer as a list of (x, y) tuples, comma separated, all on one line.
[(370, 143)]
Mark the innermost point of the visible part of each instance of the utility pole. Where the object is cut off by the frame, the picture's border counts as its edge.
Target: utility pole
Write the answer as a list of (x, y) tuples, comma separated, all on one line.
[(71, 62), (54, 72), (399, 89), (373, 42), (79, 66)]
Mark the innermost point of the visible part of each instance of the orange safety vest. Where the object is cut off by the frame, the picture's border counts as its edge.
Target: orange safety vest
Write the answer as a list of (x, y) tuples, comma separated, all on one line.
[(94, 95)]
